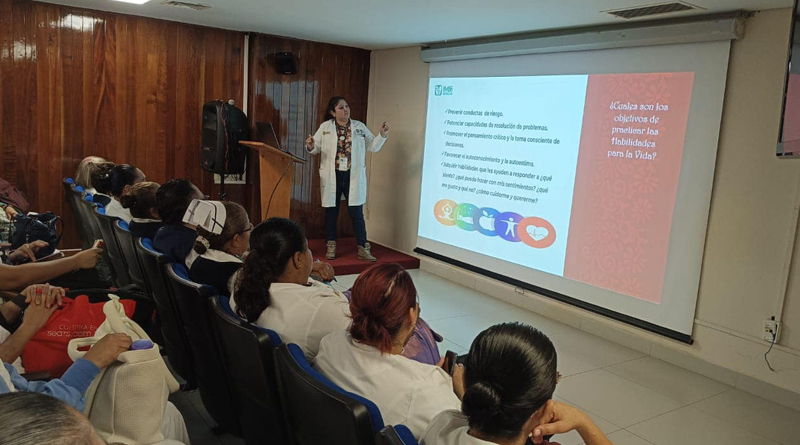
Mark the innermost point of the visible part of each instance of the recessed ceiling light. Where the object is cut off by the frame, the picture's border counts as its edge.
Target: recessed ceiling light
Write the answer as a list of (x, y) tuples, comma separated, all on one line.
[(135, 2)]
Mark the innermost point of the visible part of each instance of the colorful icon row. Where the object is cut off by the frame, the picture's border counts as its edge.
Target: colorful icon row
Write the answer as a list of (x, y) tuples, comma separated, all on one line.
[(533, 231)]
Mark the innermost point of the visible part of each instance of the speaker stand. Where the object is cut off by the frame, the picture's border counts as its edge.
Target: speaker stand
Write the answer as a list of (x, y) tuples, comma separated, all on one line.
[(222, 193)]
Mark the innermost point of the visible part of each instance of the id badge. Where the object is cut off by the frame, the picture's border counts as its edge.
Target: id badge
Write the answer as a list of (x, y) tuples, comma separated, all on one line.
[(342, 164)]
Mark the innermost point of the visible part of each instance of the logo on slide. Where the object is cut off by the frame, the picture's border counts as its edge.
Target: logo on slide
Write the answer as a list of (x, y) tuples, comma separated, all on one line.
[(443, 90), (510, 226)]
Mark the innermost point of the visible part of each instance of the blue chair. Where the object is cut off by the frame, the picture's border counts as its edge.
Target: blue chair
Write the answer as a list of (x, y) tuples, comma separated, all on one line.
[(179, 351), (213, 379), (127, 245), (318, 411), (74, 195), (395, 435), (249, 353), (118, 265)]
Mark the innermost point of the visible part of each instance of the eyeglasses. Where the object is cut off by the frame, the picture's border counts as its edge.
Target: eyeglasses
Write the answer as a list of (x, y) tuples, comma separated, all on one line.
[(249, 229)]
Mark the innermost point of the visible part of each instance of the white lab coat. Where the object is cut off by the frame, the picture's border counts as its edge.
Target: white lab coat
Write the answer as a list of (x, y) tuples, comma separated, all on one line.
[(450, 428), (325, 142), (406, 391), (303, 315)]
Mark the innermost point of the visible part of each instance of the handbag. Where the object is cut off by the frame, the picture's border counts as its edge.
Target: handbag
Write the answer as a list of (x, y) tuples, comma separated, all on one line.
[(78, 317), (126, 401), (35, 227)]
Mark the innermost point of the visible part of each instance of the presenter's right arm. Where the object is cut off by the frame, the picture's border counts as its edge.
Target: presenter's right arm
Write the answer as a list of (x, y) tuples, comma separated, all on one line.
[(314, 143)]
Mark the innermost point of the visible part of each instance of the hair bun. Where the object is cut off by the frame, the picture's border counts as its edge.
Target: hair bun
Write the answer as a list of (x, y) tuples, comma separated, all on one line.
[(481, 399)]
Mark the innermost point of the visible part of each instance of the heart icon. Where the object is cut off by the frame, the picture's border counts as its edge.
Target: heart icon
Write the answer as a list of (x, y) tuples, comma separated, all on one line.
[(537, 233)]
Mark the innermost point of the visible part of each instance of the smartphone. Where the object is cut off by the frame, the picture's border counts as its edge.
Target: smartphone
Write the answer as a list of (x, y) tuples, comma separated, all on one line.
[(98, 243), (449, 364)]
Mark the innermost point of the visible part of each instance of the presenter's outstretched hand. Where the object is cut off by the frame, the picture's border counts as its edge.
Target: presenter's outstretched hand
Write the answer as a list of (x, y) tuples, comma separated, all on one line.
[(310, 143), (385, 129)]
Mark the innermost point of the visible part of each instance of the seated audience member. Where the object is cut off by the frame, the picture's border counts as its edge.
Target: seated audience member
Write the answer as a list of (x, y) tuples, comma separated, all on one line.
[(85, 170), (509, 379), (40, 302), (96, 175), (118, 183), (367, 359), (223, 236), (16, 277), (142, 204), (36, 419), (175, 238), (274, 289)]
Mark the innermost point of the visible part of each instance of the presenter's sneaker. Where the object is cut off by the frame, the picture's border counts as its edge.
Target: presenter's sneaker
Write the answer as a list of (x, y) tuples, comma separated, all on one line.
[(331, 252), (364, 253)]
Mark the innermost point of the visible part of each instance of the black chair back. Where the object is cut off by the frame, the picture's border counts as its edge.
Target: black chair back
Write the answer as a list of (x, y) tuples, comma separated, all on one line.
[(74, 196), (127, 245), (88, 218), (249, 353), (118, 266), (316, 410), (213, 380), (176, 343), (395, 435)]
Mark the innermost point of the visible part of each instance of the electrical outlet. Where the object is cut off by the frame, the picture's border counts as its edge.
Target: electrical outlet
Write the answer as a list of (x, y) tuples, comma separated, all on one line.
[(771, 327)]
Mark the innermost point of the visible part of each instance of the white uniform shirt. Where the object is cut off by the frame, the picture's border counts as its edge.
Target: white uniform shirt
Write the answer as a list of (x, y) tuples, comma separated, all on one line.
[(114, 208), (406, 391), (304, 314), (450, 428)]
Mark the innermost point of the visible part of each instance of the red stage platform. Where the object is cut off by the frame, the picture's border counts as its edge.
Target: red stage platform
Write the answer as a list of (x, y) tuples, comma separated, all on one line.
[(347, 262)]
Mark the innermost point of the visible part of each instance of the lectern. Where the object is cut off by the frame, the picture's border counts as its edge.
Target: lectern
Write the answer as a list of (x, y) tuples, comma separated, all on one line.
[(276, 170)]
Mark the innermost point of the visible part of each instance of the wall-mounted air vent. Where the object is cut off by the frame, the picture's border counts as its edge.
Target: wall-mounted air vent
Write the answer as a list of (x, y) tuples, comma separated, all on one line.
[(195, 6), (651, 10)]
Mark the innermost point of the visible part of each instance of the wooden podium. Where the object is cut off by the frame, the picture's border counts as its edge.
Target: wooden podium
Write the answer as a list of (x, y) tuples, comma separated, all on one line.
[(276, 170)]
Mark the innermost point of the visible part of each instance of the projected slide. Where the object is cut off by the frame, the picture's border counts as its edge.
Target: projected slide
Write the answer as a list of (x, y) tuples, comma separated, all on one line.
[(573, 175)]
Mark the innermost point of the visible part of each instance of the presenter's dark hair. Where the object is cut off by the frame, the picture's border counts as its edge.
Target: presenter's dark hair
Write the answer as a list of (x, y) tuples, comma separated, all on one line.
[(272, 244), (510, 373), (118, 177), (379, 304), (331, 109), (29, 418), (173, 199)]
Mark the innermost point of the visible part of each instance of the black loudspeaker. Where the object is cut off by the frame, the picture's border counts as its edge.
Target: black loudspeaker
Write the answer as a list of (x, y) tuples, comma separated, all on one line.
[(224, 126), (285, 63)]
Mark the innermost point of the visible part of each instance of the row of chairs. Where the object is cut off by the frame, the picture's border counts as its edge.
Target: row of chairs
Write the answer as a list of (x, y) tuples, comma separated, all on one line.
[(252, 384)]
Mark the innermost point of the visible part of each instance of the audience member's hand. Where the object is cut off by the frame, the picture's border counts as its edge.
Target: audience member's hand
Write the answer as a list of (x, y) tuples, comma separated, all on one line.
[(44, 293), (559, 418), (310, 143), (11, 211), (88, 258), (458, 381), (36, 316), (27, 251), (323, 270), (106, 351)]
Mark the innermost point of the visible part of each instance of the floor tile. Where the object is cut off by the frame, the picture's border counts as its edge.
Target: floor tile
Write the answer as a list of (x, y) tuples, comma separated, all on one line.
[(573, 438), (669, 380), (621, 401), (624, 437), (759, 416), (593, 350), (690, 426)]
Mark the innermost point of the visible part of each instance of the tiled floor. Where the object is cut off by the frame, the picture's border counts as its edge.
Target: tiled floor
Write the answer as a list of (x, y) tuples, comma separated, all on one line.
[(635, 399)]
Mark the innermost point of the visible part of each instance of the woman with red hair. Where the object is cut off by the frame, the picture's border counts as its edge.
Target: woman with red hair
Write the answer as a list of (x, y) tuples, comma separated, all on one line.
[(367, 359)]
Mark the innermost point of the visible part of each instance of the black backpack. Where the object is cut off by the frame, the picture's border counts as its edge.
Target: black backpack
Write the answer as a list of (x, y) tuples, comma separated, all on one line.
[(34, 227)]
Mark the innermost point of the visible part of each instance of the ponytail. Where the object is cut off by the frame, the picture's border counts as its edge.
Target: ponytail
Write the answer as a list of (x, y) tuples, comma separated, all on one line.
[(272, 244)]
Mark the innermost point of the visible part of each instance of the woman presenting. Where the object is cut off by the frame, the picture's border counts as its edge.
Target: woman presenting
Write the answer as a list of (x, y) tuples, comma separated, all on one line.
[(343, 143)]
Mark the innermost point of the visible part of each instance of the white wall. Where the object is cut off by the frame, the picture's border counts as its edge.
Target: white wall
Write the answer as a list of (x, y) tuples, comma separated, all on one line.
[(752, 225)]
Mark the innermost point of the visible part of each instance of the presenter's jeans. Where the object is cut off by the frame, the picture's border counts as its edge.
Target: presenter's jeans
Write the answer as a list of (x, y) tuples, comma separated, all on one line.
[(356, 212)]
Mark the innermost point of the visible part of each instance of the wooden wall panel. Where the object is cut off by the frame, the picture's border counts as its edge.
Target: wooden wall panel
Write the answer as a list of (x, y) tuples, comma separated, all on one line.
[(294, 105), (75, 82)]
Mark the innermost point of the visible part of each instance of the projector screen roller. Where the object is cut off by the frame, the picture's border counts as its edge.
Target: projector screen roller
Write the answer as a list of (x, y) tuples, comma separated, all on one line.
[(576, 183)]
